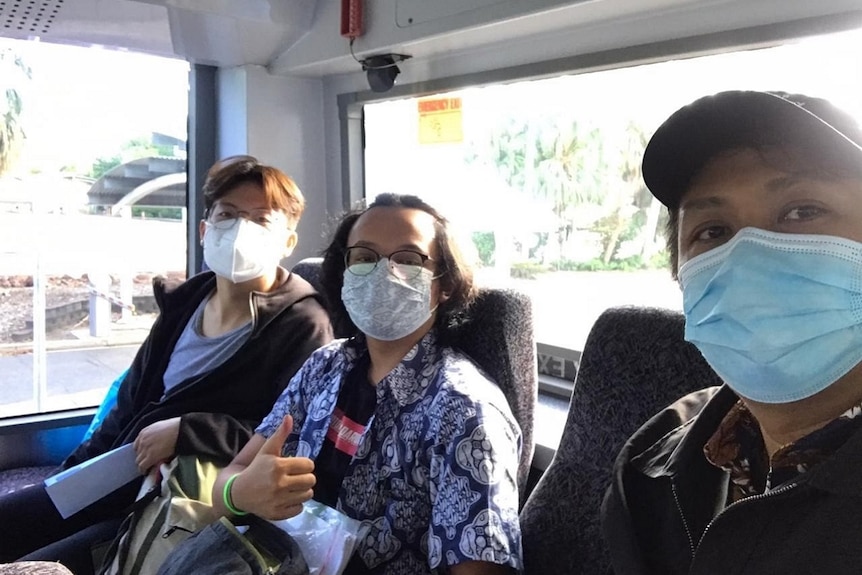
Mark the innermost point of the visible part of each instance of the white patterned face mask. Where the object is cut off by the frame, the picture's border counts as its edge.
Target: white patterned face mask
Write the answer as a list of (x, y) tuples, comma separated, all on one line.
[(385, 307)]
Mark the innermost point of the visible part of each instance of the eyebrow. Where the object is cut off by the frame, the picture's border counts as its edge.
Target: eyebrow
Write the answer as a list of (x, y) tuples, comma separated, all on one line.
[(372, 245), (706, 203), (226, 204), (773, 186), (783, 183)]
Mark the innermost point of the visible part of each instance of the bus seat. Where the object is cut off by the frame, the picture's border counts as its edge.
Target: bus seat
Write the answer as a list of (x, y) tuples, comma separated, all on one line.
[(16, 478), (497, 333), (309, 270), (634, 363)]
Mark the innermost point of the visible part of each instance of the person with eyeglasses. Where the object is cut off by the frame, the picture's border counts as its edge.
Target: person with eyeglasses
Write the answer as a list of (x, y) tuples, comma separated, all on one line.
[(220, 352), (392, 426)]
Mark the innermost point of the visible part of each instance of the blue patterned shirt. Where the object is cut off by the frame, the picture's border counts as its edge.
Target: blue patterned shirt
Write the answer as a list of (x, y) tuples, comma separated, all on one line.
[(435, 475)]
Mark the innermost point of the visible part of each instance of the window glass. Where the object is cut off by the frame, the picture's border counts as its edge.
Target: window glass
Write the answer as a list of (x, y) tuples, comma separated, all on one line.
[(543, 177), (92, 207)]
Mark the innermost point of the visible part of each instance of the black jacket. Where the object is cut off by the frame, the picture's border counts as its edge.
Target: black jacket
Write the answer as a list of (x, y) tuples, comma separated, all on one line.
[(665, 514), (219, 409)]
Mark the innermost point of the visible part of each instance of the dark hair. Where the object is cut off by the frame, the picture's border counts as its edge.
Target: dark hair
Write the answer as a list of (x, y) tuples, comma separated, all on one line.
[(281, 192), (671, 235), (455, 275)]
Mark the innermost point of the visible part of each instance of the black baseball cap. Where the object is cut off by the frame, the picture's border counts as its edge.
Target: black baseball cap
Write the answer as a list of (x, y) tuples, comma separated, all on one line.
[(695, 133)]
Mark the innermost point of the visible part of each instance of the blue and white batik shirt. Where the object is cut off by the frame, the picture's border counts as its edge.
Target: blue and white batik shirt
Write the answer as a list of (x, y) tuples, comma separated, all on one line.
[(434, 477)]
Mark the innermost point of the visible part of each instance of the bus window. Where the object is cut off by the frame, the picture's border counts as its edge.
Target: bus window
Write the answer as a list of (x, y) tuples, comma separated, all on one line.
[(92, 206), (544, 175)]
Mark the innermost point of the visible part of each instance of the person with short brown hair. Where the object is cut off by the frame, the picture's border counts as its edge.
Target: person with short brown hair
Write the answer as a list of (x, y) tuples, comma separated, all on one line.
[(225, 343), (280, 192)]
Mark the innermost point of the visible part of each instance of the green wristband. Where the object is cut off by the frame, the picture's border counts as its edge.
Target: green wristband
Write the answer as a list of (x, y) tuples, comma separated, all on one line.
[(228, 502)]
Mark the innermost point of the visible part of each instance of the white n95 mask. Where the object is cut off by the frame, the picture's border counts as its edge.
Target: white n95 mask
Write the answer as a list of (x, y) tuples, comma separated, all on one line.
[(245, 251)]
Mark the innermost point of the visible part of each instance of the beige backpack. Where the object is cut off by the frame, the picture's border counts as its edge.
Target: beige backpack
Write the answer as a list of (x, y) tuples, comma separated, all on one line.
[(174, 502)]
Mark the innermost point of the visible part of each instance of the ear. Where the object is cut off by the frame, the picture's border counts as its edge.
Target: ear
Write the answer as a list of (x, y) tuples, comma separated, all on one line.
[(202, 226), (444, 296), (290, 245)]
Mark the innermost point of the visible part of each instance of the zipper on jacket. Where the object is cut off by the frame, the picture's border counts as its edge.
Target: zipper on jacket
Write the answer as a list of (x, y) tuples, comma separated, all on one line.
[(254, 319), (781, 490), (684, 522)]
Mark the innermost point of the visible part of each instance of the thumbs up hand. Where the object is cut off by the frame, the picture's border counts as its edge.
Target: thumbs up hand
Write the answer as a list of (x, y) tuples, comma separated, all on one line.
[(272, 486), (275, 443)]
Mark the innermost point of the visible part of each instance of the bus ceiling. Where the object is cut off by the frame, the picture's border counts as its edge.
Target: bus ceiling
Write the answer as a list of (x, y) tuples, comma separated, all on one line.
[(302, 38)]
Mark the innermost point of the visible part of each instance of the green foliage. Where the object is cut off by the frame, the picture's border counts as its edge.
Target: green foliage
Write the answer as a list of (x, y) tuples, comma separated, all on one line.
[(660, 260), (165, 150), (12, 134), (597, 264), (635, 225), (485, 247), (164, 213), (526, 270), (505, 150), (141, 148), (590, 180), (135, 148), (104, 165)]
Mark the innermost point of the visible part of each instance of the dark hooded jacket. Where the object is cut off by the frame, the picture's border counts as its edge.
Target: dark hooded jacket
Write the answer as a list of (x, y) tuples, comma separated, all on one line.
[(219, 409), (665, 512)]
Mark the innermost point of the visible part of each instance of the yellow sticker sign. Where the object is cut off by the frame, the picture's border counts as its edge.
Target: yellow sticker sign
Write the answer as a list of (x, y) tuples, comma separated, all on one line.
[(440, 121)]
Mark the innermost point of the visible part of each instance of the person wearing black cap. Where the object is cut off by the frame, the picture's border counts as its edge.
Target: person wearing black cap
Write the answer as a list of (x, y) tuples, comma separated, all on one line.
[(763, 474)]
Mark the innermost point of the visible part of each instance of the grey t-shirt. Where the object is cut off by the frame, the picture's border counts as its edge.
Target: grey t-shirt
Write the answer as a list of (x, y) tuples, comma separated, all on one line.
[(196, 354)]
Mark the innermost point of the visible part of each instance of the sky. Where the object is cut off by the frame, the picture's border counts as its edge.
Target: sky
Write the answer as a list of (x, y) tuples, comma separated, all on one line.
[(84, 103)]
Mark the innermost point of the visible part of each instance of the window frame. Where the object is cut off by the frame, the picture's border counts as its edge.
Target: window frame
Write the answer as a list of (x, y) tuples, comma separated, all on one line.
[(201, 154), (351, 107)]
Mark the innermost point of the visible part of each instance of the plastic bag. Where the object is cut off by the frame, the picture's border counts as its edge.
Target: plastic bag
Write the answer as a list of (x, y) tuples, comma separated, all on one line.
[(326, 536)]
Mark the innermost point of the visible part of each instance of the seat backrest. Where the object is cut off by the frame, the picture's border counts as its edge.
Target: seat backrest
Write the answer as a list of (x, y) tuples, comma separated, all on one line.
[(309, 270), (634, 363), (498, 334)]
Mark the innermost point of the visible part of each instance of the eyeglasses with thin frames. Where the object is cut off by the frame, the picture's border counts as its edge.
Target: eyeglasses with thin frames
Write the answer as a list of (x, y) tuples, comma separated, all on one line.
[(403, 264), (226, 217)]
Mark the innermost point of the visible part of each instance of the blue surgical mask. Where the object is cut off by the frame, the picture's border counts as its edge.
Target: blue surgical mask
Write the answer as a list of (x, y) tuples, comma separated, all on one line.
[(385, 307), (777, 316)]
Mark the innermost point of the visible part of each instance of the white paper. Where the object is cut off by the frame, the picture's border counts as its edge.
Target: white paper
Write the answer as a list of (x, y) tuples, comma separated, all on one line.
[(77, 487)]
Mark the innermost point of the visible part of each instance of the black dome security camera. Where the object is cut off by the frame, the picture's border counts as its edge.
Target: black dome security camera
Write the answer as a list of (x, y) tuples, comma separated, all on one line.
[(382, 70)]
